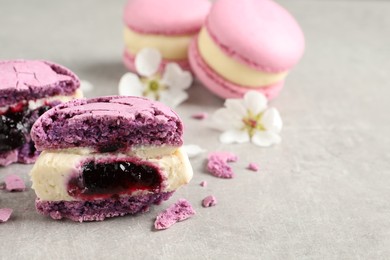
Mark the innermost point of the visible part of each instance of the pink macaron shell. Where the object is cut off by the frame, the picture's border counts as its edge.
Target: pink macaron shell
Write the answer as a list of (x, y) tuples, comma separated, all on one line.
[(169, 17), (220, 86), (128, 60), (258, 33), (31, 74)]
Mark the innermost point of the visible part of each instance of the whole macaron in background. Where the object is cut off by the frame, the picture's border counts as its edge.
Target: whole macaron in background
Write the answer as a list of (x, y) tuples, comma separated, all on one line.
[(246, 45), (166, 25)]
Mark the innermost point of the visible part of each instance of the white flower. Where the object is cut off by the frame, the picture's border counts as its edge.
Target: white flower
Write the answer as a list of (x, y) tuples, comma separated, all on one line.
[(168, 88), (86, 86), (193, 150), (249, 119)]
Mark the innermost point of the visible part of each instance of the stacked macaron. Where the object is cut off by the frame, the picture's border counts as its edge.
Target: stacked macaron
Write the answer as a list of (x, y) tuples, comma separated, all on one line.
[(246, 45), (106, 157), (167, 25), (27, 89)]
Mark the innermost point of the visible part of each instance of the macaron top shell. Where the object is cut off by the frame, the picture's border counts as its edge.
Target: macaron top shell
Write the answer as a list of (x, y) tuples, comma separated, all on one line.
[(107, 122), (33, 79), (169, 17), (258, 33)]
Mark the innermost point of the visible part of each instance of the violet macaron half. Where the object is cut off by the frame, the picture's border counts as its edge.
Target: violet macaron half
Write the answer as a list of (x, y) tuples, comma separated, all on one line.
[(107, 156), (246, 45), (166, 25)]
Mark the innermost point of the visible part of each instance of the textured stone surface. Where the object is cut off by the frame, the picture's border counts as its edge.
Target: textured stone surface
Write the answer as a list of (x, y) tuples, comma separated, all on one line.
[(323, 193)]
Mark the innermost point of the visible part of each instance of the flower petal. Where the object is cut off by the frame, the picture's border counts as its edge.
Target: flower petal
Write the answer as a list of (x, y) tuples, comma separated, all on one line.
[(193, 150), (130, 85), (147, 61), (236, 107), (271, 120), (173, 98), (86, 86), (266, 139), (175, 77), (234, 136), (224, 120), (255, 102)]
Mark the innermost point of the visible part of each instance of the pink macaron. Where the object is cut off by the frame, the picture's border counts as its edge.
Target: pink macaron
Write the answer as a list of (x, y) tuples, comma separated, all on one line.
[(166, 25), (246, 45)]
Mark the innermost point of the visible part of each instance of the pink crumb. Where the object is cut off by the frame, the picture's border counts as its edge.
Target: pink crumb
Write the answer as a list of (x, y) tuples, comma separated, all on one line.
[(253, 167), (14, 183), (209, 201), (200, 116), (203, 184), (177, 212), (5, 214), (217, 164)]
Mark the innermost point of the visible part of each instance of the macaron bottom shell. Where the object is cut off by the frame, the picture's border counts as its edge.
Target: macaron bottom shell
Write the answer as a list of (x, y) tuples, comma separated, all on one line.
[(220, 86)]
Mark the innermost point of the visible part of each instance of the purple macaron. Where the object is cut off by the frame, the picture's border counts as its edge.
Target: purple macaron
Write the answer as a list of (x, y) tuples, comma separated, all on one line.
[(108, 156)]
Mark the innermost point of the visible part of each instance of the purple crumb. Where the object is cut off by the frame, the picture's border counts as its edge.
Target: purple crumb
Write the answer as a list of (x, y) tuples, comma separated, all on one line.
[(203, 184), (177, 212), (14, 183), (217, 164), (253, 167), (200, 116), (209, 201), (5, 214)]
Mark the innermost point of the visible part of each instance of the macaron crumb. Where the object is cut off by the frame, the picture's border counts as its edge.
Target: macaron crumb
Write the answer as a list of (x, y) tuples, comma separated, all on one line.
[(253, 167), (14, 183), (5, 214), (217, 164), (179, 211), (203, 184), (200, 116), (209, 201)]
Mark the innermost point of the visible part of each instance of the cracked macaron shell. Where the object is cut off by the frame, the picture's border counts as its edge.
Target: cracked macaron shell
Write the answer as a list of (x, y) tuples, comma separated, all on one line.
[(102, 122), (34, 79)]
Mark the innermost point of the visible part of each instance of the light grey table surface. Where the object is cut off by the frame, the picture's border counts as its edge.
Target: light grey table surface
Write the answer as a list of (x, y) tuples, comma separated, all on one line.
[(323, 193)]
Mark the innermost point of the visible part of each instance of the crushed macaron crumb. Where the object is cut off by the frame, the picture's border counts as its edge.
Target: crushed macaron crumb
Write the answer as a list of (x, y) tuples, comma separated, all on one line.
[(253, 167), (14, 183), (177, 212), (218, 166), (203, 184), (5, 214), (200, 116), (209, 201)]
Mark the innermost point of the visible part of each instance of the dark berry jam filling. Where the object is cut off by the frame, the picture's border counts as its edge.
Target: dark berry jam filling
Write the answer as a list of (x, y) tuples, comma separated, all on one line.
[(110, 148), (15, 125), (101, 180)]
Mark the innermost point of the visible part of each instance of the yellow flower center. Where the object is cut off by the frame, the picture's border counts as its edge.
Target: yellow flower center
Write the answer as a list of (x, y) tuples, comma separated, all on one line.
[(153, 86), (252, 123)]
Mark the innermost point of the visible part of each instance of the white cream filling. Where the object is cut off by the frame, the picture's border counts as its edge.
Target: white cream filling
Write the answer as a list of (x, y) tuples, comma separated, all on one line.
[(53, 169), (171, 47), (231, 69), (34, 104)]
